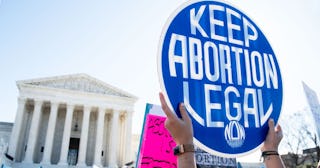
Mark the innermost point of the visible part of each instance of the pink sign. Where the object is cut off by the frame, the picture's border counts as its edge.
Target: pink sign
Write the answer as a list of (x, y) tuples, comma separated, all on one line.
[(156, 145)]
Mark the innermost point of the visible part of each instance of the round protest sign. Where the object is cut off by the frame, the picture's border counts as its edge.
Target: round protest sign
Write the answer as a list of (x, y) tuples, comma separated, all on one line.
[(217, 61)]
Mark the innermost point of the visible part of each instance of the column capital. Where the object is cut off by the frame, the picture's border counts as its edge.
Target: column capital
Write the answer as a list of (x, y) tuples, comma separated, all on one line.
[(117, 109), (69, 105), (115, 113), (54, 106), (86, 108), (127, 113), (53, 103), (102, 109), (38, 101)]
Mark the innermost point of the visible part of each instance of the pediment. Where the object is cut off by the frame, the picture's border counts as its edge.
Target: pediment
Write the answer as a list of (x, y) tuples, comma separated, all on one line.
[(78, 82)]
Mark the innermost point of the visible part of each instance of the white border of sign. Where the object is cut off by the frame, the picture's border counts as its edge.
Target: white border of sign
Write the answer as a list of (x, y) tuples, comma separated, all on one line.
[(159, 63)]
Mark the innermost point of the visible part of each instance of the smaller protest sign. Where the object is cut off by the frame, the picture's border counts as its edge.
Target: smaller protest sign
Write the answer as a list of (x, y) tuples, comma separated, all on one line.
[(156, 143), (314, 105), (207, 160)]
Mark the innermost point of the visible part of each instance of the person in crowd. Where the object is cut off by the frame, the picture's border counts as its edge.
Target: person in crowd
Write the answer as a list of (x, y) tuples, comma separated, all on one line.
[(182, 132)]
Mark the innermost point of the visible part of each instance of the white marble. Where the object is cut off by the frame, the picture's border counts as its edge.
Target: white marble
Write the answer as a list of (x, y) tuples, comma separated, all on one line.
[(50, 133), (48, 110)]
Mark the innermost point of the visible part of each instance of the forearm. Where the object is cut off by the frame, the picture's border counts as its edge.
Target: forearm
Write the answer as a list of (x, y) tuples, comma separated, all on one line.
[(270, 146), (273, 161), (186, 160)]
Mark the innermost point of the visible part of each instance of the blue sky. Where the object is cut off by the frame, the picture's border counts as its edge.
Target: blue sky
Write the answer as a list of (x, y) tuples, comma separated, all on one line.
[(117, 42), (114, 42)]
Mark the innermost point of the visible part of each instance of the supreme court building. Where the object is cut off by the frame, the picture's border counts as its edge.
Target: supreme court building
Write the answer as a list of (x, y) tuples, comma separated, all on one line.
[(73, 120)]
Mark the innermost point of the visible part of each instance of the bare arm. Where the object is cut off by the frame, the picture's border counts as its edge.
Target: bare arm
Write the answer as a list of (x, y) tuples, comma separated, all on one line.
[(271, 144), (181, 130)]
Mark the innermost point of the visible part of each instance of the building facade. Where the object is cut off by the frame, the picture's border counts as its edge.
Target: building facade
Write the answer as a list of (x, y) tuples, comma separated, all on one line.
[(5, 132), (72, 120)]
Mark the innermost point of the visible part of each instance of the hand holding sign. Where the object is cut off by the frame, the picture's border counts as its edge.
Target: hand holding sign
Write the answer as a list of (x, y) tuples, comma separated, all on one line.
[(269, 148), (273, 138), (217, 61), (179, 128)]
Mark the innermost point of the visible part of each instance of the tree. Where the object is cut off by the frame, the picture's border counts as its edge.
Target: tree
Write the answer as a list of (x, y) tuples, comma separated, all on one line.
[(299, 134)]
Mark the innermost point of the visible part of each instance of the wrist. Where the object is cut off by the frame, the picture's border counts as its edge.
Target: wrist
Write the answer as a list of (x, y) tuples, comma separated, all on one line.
[(269, 149), (187, 160), (185, 141), (269, 154), (183, 149)]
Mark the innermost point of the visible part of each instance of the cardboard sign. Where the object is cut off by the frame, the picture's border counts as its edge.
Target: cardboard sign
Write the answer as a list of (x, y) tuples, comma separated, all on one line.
[(206, 160), (217, 61), (314, 105), (156, 144)]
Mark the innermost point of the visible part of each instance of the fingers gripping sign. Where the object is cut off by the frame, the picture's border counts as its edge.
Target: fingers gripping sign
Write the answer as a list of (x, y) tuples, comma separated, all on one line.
[(273, 138), (180, 128)]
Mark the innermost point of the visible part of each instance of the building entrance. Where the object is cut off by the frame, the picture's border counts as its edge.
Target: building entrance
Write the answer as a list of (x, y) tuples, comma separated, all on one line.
[(73, 151)]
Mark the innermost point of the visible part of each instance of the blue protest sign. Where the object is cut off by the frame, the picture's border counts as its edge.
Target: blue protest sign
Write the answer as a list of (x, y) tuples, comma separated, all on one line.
[(217, 61)]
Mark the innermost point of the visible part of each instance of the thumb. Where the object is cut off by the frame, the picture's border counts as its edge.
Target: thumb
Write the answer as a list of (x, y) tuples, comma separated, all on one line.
[(271, 126)]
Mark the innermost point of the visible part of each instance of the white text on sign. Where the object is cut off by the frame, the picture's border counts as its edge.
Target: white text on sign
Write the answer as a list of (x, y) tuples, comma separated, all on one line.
[(214, 61)]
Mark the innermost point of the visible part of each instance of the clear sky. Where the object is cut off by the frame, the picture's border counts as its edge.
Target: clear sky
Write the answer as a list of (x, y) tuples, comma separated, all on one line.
[(117, 42)]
